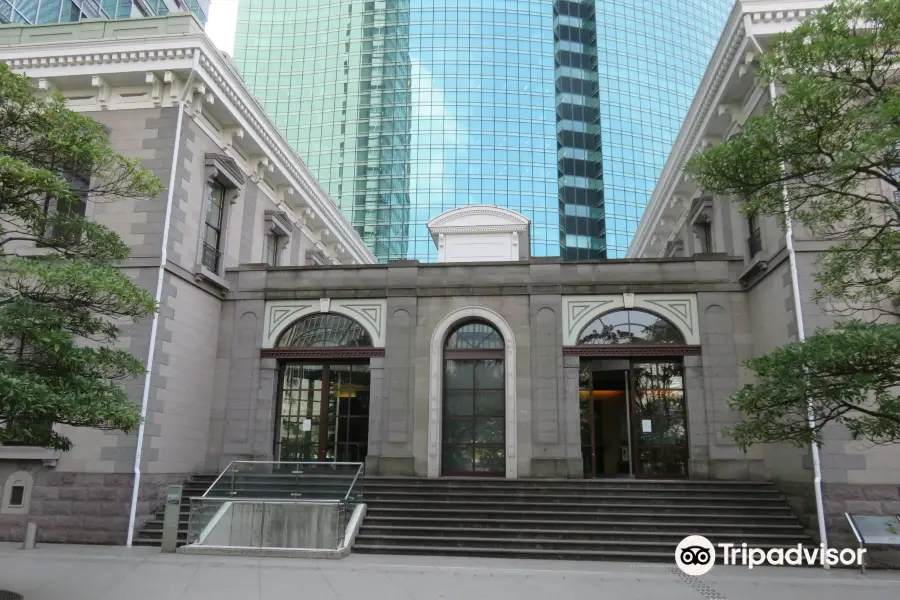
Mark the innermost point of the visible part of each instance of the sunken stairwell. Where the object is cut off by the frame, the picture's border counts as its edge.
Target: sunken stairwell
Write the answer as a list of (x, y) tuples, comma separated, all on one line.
[(569, 519), (311, 485)]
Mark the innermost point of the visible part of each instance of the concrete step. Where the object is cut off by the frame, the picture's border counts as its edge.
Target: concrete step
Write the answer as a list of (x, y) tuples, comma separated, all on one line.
[(511, 543), (577, 507), (583, 526), (495, 552), (406, 482), (567, 535), (500, 513), (592, 498)]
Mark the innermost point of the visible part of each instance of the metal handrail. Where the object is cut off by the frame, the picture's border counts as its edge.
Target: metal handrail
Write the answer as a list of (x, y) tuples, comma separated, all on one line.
[(222, 474), (252, 500), (232, 468), (353, 483)]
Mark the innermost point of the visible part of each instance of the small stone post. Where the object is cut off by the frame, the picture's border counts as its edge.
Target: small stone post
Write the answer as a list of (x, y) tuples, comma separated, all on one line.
[(30, 537)]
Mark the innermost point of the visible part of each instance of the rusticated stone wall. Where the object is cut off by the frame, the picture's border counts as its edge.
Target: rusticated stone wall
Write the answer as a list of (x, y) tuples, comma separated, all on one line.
[(85, 508), (840, 498)]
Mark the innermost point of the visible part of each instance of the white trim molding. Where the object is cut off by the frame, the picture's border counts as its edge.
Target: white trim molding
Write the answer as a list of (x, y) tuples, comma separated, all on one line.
[(436, 385), (114, 65), (281, 314), (716, 110), (679, 309)]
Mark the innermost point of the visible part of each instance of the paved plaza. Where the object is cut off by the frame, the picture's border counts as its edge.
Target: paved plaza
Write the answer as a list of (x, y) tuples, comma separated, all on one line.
[(114, 573)]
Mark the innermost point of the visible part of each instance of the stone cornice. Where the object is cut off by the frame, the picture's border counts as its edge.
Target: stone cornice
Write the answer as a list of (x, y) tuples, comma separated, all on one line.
[(157, 53), (784, 14)]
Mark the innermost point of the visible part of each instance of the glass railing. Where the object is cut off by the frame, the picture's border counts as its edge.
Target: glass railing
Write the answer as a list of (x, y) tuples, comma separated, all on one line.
[(258, 523), (279, 482)]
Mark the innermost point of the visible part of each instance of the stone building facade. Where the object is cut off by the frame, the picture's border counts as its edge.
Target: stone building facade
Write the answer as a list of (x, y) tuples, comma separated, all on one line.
[(166, 96), (682, 222), (492, 363)]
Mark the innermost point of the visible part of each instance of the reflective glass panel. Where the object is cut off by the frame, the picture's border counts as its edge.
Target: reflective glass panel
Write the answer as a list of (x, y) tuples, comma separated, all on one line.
[(325, 331), (630, 327)]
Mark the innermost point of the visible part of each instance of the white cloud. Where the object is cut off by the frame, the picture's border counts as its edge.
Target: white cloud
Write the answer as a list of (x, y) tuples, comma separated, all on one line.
[(433, 127), (221, 26)]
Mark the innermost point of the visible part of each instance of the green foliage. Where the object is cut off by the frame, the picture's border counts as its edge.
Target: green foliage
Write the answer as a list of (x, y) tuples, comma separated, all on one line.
[(828, 154), (60, 312), (836, 130), (851, 372)]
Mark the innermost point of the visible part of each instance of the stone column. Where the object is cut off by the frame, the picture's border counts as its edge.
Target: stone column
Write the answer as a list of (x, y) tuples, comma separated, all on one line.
[(266, 411), (697, 422), (376, 409), (572, 412)]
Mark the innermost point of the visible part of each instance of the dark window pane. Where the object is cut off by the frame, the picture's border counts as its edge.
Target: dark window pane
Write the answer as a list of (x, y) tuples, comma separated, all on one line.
[(489, 374), (490, 460), (458, 431), (17, 494), (630, 327), (325, 331), (458, 402), (474, 336), (460, 374), (490, 402), (490, 430), (456, 458)]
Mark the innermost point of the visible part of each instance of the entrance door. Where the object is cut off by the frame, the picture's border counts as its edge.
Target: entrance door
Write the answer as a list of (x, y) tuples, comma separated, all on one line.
[(605, 443), (323, 413), (633, 420), (659, 420)]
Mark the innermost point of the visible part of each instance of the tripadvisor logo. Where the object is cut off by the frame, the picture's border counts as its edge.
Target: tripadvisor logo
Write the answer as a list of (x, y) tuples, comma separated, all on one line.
[(695, 555)]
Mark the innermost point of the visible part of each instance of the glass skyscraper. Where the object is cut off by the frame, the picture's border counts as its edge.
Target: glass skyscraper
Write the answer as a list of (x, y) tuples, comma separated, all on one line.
[(561, 110), (43, 12)]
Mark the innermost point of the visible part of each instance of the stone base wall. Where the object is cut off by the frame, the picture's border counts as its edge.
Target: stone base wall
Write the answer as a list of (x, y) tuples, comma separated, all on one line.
[(86, 508), (840, 498)]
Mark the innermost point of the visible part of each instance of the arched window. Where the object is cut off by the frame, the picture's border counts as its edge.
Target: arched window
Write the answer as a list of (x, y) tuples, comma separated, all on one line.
[(325, 330), (630, 327), (474, 419)]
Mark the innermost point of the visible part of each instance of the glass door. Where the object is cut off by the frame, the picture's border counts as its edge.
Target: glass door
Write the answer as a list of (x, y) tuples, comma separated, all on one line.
[(348, 413), (659, 420), (604, 404), (300, 415), (323, 413), (474, 422)]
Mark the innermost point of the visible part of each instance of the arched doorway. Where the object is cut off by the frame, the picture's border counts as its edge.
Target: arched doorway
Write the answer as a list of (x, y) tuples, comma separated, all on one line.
[(473, 437), (323, 407), (633, 417)]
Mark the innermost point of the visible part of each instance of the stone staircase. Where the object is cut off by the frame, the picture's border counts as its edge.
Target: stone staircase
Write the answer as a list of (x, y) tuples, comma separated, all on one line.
[(569, 519), (612, 519)]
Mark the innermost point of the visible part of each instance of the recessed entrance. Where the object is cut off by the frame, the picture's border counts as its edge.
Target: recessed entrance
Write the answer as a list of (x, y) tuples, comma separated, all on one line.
[(633, 418), (323, 401), (324, 413)]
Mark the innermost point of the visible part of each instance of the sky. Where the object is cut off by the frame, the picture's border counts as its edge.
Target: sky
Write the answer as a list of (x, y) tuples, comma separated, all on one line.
[(222, 24)]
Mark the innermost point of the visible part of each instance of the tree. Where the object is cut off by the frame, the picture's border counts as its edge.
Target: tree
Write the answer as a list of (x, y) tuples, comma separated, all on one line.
[(828, 155), (60, 310)]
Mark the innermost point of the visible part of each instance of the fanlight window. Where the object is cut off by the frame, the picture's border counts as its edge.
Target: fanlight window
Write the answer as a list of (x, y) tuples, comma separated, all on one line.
[(630, 327), (476, 335), (325, 331)]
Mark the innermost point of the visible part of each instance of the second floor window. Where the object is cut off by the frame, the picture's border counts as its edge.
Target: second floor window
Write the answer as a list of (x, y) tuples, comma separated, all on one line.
[(272, 250), (212, 236), (706, 237)]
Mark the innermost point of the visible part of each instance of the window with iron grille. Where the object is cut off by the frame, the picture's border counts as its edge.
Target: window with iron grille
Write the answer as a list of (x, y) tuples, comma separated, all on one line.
[(212, 236)]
